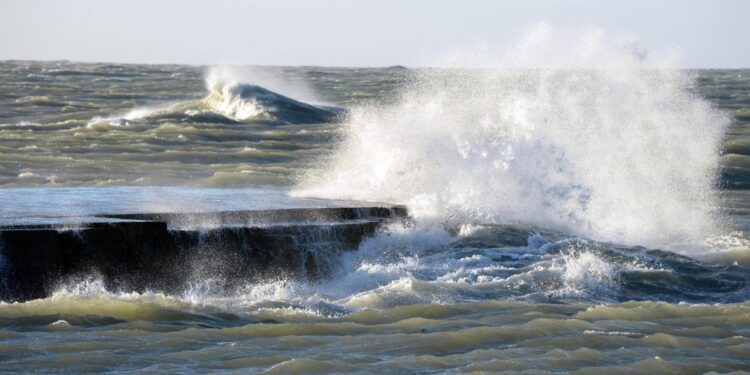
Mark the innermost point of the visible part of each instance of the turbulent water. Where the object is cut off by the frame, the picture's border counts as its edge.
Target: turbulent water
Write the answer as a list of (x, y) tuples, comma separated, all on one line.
[(591, 217)]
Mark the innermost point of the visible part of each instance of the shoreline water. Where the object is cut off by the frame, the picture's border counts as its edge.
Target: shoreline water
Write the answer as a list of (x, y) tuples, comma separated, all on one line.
[(453, 289)]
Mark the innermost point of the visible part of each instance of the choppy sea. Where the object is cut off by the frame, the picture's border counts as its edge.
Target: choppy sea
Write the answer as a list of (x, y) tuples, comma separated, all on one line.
[(563, 220)]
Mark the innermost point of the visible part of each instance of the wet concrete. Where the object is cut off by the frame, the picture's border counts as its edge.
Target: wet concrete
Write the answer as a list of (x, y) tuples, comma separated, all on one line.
[(163, 251)]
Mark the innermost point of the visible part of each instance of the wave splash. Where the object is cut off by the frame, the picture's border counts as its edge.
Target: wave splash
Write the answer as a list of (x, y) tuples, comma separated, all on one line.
[(406, 265), (247, 102), (579, 133), (230, 101)]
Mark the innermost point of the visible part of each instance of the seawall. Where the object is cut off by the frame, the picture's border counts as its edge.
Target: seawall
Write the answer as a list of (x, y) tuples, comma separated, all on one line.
[(163, 251)]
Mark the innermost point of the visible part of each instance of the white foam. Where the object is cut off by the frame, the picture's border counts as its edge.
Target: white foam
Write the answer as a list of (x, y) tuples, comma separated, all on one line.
[(585, 273), (218, 77), (228, 101), (227, 96), (586, 134)]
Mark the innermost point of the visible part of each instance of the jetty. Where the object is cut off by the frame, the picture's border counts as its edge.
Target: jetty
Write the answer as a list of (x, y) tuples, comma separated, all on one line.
[(161, 251)]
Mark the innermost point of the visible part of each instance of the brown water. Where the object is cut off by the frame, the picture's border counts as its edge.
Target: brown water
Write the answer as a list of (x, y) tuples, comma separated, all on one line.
[(459, 296)]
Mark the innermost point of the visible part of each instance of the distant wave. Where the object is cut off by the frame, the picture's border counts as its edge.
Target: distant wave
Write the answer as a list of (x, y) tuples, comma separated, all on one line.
[(230, 103), (38, 101), (246, 102)]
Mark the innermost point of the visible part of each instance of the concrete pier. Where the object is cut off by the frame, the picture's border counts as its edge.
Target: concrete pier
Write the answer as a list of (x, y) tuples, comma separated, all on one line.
[(163, 251)]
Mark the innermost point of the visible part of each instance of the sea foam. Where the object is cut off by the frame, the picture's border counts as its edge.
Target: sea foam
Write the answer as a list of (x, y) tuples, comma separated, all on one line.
[(580, 132)]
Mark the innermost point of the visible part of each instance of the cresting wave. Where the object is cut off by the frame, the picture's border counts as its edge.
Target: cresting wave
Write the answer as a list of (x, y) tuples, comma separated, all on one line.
[(230, 101), (579, 133)]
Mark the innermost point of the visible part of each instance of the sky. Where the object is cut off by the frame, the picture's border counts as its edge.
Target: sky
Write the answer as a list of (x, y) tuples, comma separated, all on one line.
[(706, 33)]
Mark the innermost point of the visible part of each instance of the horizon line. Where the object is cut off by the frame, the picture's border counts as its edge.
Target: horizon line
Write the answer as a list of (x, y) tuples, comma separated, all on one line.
[(308, 65)]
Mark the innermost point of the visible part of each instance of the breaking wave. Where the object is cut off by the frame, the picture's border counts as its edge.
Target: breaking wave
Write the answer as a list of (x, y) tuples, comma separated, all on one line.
[(580, 133), (230, 101)]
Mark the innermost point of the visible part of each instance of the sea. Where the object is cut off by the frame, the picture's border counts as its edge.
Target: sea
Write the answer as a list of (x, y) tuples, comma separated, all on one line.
[(561, 219)]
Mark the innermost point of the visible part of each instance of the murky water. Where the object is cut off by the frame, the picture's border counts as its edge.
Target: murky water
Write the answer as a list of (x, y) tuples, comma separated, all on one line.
[(513, 260)]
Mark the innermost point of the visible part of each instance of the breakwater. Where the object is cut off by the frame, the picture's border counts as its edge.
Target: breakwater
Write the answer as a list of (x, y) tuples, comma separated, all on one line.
[(163, 251)]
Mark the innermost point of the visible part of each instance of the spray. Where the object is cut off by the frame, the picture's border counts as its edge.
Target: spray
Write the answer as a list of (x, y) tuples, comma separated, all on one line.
[(583, 133)]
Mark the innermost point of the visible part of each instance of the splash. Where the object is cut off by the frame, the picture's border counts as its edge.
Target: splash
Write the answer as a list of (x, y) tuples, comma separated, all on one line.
[(231, 99), (577, 132)]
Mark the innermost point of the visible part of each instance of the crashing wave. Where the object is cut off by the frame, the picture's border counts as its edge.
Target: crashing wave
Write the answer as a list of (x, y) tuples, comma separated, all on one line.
[(596, 141), (231, 103), (245, 102)]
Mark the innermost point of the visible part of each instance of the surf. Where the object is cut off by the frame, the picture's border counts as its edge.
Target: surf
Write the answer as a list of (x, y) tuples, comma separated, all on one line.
[(602, 141), (229, 101)]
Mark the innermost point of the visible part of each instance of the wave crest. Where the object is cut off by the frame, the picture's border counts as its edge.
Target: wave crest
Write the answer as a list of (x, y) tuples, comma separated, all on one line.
[(244, 102), (229, 102)]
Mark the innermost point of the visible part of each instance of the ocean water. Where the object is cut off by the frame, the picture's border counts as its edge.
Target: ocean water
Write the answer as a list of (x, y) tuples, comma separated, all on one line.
[(564, 219)]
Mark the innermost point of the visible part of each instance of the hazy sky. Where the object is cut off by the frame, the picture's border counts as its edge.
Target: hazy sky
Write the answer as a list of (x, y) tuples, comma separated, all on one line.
[(710, 33)]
